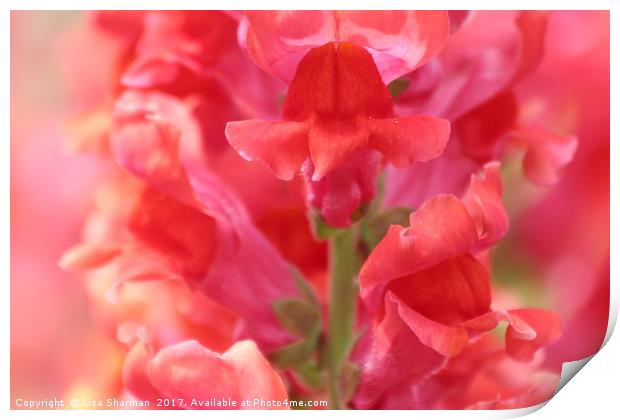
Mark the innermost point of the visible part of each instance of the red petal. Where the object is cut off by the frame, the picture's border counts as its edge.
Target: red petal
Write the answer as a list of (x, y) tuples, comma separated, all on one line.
[(181, 233), (331, 142), (337, 81), (440, 229), (282, 146), (481, 132), (335, 88), (450, 292), (445, 339), (406, 140)]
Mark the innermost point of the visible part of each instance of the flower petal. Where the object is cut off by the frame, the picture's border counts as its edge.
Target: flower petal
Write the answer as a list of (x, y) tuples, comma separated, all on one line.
[(547, 327), (257, 378), (449, 293), (399, 41), (445, 339), (188, 370), (528, 330), (282, 146), (406, 140), (547, 153), (88, 256), (440, 229), (396, 354), (484, 202), (136, 372)]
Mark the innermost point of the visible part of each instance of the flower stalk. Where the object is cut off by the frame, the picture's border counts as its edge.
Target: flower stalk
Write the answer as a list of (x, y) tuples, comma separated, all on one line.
[(344, 265)]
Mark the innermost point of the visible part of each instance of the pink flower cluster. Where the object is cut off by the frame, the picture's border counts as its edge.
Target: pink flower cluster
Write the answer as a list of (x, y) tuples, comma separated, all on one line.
[(304, 205)]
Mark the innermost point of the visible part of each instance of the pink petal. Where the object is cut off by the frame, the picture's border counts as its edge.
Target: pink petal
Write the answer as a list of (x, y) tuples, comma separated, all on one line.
[(458, 18), (148, 134), (136, 372), (532, 26), (547, 327), (483, 58), (156, 139), (528, 330), (248, 281), (448, 174), (257, 379), (396, 354), (88, 256), (399, 41), (547, 153), (345, 188), (188, 370), (484, 203)]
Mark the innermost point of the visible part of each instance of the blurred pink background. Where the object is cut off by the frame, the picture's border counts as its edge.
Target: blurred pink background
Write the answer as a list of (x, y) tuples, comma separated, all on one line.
[(54, 348)]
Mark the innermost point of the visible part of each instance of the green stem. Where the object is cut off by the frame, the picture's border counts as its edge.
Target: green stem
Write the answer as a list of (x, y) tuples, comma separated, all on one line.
[(342, 307)]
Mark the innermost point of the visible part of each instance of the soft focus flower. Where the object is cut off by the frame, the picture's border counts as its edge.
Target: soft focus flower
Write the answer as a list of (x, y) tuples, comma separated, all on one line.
[(472, 83), (364, 209)]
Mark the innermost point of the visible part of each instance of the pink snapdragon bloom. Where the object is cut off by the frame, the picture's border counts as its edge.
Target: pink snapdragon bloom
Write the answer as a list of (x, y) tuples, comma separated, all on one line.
[(187, 224), (338, 123), (472, 83), (430, 294), (201, 378), (203, 266)]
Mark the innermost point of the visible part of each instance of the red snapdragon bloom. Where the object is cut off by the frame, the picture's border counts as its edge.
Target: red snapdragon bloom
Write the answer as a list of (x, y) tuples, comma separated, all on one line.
[(191, 373), (338, 123), (431, 295)]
